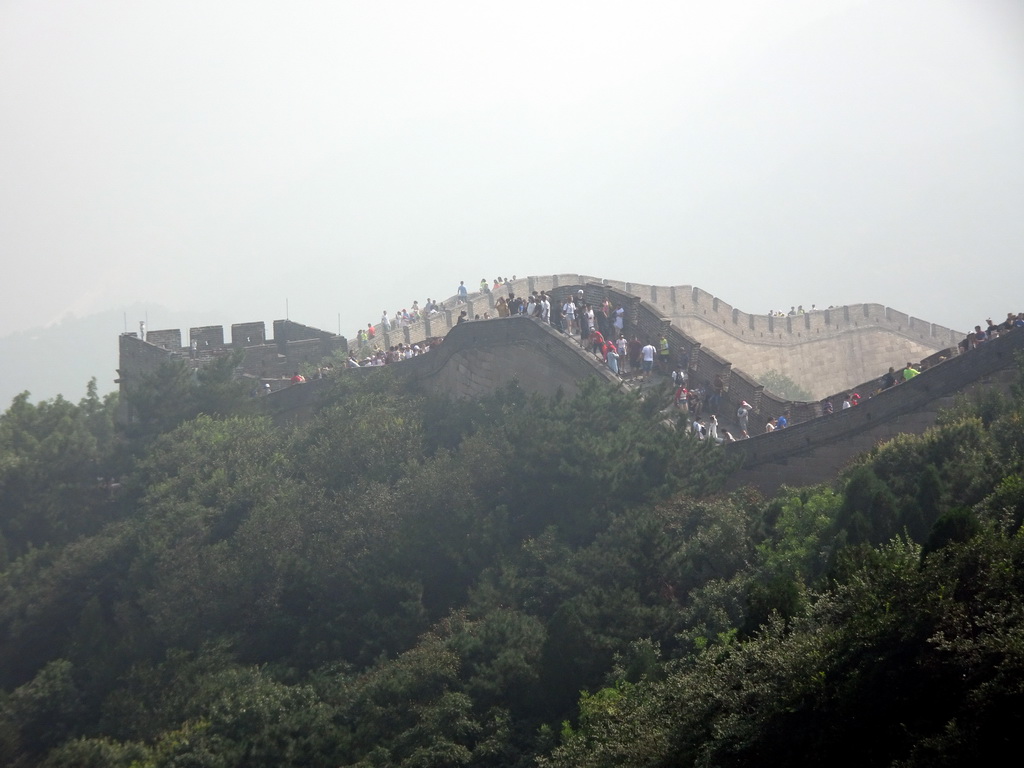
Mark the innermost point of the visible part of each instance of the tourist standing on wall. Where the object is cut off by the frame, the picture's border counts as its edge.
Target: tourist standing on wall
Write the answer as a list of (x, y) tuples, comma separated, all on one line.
[(743, 417), (647, 359), (663, 353), (612, 356), (587, 326), (569, 312)]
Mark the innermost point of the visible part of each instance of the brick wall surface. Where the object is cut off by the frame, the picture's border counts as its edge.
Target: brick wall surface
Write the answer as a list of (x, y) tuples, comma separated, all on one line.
[(207, 336), (169, 339), (248, 334)]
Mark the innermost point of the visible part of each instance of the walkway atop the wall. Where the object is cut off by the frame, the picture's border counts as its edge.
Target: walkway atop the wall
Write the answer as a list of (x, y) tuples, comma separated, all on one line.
[(477, 357), (824, 351), (814, 450)]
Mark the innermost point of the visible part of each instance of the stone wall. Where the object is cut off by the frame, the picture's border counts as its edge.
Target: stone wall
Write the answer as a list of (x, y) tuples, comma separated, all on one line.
[(476, 359), (479, 357), (272, 362), (824, 351), (207, 337), (248, 334), (853, 345), (169, 339), (816, 449), (137, 359), (829, 339), (643, 319)]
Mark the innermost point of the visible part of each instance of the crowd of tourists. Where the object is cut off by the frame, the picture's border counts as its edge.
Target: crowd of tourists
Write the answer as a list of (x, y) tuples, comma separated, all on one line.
[(992, 331), (895, 376), (431, 308), (600, 329)]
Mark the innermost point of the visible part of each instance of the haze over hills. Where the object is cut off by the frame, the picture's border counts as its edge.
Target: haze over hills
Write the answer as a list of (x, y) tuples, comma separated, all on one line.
[(59, 359)]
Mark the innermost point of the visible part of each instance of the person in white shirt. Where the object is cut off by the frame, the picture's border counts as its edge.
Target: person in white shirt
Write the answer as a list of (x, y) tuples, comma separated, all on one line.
[(569, 311), (647, 355)]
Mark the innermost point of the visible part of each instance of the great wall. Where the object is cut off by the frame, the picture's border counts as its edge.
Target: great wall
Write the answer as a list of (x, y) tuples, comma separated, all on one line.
[(827, 351)]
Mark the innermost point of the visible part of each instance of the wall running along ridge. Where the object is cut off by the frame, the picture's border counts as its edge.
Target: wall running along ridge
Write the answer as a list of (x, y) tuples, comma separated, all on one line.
[(836, 345)]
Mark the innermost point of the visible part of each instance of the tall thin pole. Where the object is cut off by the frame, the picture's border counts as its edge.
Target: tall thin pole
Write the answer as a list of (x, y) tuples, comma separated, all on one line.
[(286, 316)]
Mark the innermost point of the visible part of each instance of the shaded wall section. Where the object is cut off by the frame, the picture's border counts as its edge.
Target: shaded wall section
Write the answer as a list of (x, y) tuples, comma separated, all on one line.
[(816, 450)]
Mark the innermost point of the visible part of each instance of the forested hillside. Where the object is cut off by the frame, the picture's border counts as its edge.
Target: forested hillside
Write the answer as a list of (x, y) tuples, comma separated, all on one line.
[(412, 581)]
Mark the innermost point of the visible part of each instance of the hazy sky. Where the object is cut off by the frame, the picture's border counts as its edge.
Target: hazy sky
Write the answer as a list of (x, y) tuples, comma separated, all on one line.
[(348, 157)]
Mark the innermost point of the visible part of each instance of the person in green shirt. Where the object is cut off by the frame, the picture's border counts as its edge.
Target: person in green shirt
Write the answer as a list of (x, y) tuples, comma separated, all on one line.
[(663, 353)]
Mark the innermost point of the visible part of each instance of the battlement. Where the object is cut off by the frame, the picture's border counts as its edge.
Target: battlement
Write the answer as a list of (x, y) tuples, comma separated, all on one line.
[(864, 340), (265, 361), (797, 329), (825, 351), (686, 301)]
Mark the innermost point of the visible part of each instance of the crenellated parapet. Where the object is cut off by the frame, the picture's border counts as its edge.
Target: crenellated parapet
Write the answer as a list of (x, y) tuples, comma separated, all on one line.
[(263, 361), (479, 357), (826, 351)]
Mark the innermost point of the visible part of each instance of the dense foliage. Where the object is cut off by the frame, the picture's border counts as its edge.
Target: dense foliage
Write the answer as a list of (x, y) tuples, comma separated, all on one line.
[(413, 581)]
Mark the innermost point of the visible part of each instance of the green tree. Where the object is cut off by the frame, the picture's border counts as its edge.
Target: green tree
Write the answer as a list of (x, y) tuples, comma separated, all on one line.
[(55, 457), (85, 752), (784, 386), (45, 711), (176, 392), (869, 512)]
